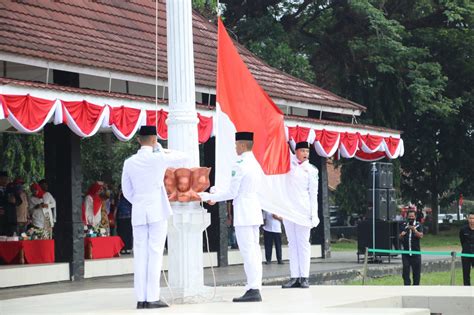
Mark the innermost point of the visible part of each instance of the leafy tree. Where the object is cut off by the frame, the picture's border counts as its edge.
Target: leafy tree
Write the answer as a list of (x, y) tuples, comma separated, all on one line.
[(102, 158), (409, 62), (22, 156), (208, 8)]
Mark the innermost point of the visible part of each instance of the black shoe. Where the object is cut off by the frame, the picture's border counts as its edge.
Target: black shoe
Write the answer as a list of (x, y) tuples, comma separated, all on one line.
[(293, 283), (141, 305), (280, 262), (268, 262), (252, 295), (304, 283), (156, 304)]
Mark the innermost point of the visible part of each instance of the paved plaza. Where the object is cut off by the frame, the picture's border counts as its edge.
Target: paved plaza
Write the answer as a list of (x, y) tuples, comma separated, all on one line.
[(114, 295), (317, 299)]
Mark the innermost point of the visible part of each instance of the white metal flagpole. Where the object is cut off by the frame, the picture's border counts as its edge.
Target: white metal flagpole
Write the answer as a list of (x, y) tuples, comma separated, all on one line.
[(374, 169)]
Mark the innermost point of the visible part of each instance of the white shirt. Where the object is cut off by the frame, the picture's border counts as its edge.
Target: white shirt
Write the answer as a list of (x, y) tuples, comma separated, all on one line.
[(51, 202), (142, 184), (271, 224), (39, 215), (246, 180)]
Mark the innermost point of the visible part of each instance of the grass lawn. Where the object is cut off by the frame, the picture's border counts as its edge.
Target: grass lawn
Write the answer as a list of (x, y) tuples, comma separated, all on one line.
[(444, 241), (434, 278)]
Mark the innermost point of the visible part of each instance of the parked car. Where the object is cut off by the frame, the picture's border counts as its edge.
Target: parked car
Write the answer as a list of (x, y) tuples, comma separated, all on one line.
[(335, 216), (445, 218)]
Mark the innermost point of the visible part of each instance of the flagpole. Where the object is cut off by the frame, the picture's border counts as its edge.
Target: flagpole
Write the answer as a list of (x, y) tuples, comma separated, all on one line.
[(156, 64)]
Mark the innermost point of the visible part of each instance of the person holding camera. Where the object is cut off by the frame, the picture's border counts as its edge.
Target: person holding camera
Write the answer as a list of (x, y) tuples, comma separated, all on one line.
[(466, 235), (411, 233)]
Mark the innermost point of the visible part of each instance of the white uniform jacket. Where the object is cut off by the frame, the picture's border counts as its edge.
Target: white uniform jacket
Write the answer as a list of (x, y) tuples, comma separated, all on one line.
[(304, 184), (142, 184), (246, 180)]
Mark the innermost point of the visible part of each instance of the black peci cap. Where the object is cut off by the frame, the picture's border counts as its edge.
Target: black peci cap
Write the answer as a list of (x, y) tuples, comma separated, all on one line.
[(302, 145), (244, 136), (147, 131)]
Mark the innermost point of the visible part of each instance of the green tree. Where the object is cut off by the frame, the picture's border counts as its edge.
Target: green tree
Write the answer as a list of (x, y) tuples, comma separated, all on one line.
[(102, 158), (409, 62), (22, 156)]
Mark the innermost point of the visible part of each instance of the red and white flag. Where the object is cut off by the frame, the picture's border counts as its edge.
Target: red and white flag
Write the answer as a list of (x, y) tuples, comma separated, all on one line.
[(242, 105)]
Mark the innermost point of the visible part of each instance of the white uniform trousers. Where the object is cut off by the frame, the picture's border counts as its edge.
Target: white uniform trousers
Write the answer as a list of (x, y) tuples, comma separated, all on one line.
[(248, 239), (299, 249), (148, 246)]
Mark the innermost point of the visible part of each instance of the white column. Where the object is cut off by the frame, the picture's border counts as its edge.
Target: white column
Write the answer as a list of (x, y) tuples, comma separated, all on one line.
[(186, 226), (182, 120)]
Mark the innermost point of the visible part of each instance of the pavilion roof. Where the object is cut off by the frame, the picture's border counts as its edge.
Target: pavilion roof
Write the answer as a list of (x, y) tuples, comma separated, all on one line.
[(120, 36)]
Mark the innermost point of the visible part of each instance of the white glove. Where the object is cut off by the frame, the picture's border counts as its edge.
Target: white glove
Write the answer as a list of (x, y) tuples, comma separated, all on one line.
[(158, 148), (204, 196), (314, 220)]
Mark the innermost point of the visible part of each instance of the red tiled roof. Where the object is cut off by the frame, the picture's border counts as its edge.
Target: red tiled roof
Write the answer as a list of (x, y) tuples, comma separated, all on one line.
[(120, 36), (67, 89)]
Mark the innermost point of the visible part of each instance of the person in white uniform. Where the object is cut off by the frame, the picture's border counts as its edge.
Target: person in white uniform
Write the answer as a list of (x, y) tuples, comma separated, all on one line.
[(246, 179), (304, 178), (272, 234), (142, 185)]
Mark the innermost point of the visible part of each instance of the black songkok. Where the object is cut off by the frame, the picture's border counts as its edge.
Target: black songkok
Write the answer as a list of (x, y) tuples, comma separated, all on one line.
[(302, 145), (147, 131), (244, 136)]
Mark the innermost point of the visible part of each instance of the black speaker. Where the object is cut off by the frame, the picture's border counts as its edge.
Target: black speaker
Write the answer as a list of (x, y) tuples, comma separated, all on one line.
[(392, 204), (383, 233), (383, 175), (381, 205)]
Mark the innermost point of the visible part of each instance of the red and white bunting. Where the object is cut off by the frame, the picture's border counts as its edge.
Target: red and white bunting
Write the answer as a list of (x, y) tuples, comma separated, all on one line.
[(349, 144), (125, 121), (26, 113), (84, 118), (158, 118), (327, 142), (29, 114), (346, 144)]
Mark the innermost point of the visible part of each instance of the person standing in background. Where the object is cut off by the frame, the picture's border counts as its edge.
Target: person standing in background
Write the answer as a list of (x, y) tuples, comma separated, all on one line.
[(21, 206), (272, 234), (40, 210), (48, 198), (124, 222), (411, 234), (92, 205), (3, 203), (466, 235)]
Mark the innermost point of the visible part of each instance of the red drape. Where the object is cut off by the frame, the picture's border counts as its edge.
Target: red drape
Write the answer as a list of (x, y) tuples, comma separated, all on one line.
[(35, 252), (298, 133), (28, 111), (326, 142), (86, 116), (204, 128), (103, 247), (350, 142), (125, 119), (160, 120)]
